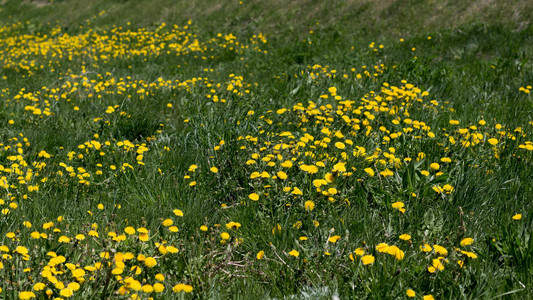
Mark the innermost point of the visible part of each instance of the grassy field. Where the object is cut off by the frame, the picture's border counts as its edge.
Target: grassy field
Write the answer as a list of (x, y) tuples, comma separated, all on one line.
[(266, 149)]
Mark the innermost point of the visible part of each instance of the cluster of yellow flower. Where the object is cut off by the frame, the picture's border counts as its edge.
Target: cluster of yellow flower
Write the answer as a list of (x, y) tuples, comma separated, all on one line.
[(34, 52), (130, 272), (319, 162)]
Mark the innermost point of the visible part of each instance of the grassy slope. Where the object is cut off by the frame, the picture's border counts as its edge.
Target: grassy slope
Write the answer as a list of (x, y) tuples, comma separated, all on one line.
[(470, 35), (351, 18), (479, 55)]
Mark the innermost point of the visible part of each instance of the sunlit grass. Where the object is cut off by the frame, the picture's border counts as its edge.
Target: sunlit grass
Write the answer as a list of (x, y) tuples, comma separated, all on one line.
[(174, 161)]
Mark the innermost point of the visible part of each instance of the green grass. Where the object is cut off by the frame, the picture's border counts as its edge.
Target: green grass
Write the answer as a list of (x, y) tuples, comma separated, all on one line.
[(474, 65)]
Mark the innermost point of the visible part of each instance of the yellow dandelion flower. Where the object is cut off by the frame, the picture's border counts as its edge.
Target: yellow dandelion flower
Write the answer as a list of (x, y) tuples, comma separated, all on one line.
[(469, 254), (340, 145), (144, 237), (339, 167), (434, 166), (297, 191), (158, 287), (467, 242), (309, 205), (410, 293), (440, 250), (26, 295), (180, 287), (425, 248), (67, 293), (281, 175), (437, 264), (159, 277), (129, 230), (370, 172), (367, 259), (64, 239), (493, 141), (233, 225), (74, 286), (287, 164), (150, 262), (399, 206), (405, 237), (334, 239), (39, 286), (382, 247), (396, 252), (147, 288), (78, 273), (253, 196), (319, 182), (294, 253), (21, 250), (172, 249)]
